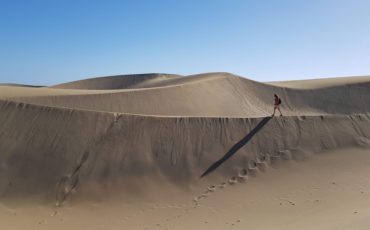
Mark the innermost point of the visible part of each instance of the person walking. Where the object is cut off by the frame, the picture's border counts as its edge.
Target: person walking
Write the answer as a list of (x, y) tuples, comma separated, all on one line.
[(277, 103)]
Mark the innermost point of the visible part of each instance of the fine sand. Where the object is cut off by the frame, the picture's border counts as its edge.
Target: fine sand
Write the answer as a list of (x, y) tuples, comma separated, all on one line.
[(128, 152)]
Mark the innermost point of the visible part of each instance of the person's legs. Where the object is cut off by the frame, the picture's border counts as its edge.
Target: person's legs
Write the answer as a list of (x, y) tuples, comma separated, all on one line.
[(278, 107), (273, 114)]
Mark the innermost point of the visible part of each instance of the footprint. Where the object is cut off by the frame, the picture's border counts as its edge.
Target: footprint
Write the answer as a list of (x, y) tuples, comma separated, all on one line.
[(243, 175), (286, 155), (262, 166), (204, 195), (233, 180), (222, 185), (252, 165), (54, 213), (276, 155), (288, 201), (275, 159), (211, 188), (263, 158), (263, 161), (252, 168)]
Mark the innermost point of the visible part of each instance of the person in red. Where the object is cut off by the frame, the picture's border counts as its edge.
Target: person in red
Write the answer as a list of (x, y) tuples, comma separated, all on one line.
[(277, 102)]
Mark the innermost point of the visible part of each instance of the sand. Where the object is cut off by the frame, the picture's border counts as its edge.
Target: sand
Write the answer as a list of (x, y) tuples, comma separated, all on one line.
[(127, 152)]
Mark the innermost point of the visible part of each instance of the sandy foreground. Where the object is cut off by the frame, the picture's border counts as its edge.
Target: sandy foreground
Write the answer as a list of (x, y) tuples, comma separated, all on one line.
[(328, 191), (127, 152)]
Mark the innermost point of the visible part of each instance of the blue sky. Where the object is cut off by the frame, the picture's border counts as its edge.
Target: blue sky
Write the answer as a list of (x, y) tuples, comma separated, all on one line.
[(49, 41)]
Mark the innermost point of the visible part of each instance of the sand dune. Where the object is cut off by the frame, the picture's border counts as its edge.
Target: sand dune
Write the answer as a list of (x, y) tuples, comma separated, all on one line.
[(212, 95), (145, 140), (323, 82), (116, 82)]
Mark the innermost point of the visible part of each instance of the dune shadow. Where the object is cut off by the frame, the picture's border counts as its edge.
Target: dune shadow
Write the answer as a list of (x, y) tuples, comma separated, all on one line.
[(237, 146)]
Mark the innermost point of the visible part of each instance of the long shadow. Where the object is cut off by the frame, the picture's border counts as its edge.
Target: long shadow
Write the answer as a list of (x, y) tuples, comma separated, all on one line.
[(237, 146)]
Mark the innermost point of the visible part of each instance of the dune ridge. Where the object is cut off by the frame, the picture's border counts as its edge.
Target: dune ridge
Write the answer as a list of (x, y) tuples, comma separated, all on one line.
[(216, 95), (171, 131), (124, 149), (130, 151), (115, 82)]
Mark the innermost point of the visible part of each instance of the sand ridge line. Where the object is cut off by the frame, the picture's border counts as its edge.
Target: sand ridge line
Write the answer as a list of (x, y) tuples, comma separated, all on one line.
[(225, 95), (96, 92), (320, 83), (302, 117)]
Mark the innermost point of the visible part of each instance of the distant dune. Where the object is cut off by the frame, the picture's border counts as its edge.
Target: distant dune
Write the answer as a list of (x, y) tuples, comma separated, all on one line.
[(151, 136), (205, 95)]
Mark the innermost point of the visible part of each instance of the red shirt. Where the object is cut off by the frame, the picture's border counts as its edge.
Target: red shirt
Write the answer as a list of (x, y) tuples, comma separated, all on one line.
[(276, 100)]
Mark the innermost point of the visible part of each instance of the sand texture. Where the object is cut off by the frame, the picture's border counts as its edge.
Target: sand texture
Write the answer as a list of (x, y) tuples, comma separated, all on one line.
[(128, 152)]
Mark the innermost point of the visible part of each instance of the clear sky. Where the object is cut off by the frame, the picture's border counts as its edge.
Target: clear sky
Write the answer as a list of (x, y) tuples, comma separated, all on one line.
[(54, 41)]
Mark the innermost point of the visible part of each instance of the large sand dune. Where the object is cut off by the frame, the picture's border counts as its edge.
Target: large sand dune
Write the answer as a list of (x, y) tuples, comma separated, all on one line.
[(131, 144), (206, 95)]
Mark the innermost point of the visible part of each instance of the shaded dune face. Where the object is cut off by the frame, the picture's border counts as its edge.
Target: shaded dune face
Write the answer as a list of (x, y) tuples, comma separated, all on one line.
[(171, 131), (116, 82)]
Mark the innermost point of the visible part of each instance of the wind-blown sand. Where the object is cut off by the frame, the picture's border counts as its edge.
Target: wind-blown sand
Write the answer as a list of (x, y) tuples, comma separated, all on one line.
[(127, 152)]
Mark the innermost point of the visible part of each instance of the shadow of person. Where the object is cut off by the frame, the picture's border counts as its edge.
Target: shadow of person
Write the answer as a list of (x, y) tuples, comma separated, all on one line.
[(237, 146)]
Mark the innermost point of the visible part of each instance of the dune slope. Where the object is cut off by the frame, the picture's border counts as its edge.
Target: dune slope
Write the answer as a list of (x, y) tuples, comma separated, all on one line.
[(155, 136), (216, 95)]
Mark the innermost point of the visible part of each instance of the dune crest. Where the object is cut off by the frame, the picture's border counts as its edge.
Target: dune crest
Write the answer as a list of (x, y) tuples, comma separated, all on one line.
[(171, 132), (206, 95), (155, 151)]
